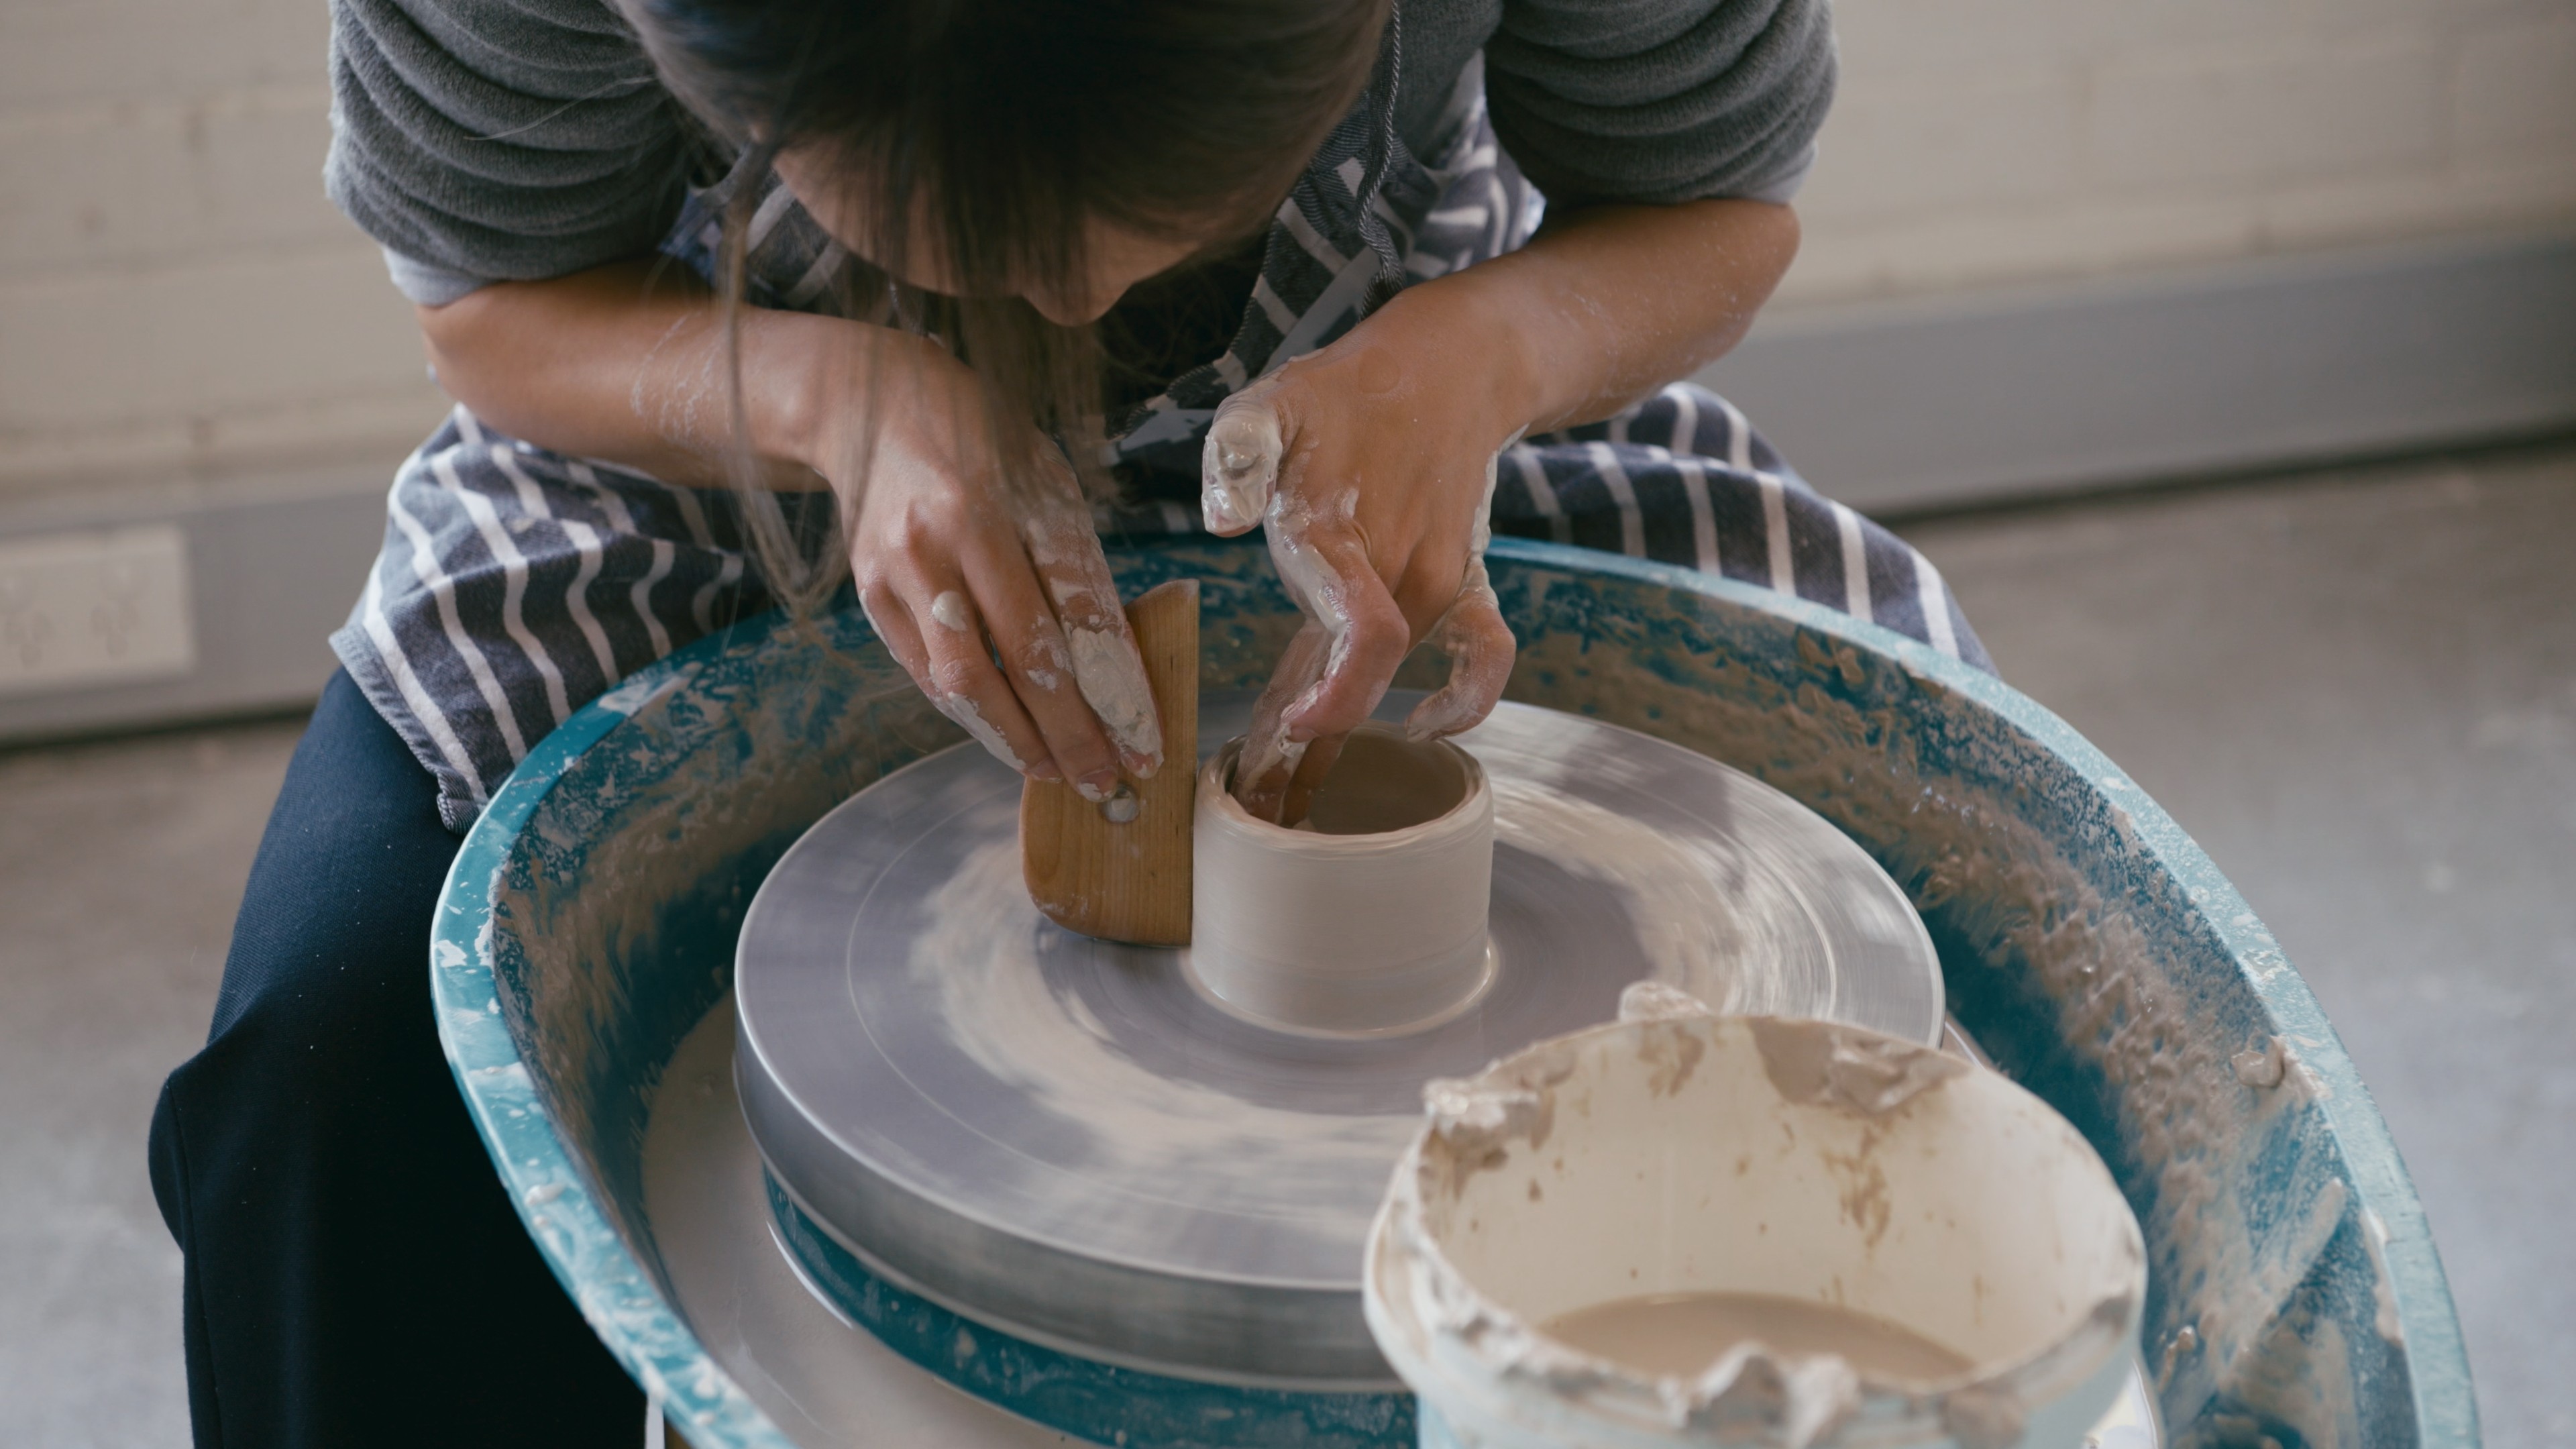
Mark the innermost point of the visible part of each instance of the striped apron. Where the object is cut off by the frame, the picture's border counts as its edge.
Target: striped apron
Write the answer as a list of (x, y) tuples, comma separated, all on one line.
[(517, 584)]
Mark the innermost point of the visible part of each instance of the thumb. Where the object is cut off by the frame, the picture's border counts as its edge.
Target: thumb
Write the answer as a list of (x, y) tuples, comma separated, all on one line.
[(1239, 466)]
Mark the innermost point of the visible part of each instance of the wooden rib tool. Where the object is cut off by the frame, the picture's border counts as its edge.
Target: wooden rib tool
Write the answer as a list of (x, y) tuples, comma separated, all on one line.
[(1128, 879)]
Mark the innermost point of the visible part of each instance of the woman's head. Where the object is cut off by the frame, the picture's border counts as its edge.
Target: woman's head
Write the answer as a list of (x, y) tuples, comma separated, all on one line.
[(1024, 162), (1107, 257), (1007, 131)]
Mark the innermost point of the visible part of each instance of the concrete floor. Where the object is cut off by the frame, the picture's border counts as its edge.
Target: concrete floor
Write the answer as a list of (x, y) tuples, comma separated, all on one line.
[(120, 867), (2356, 688)]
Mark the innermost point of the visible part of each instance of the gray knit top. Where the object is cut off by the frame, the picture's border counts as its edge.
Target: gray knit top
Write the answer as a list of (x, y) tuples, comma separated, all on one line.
[(490, 140)]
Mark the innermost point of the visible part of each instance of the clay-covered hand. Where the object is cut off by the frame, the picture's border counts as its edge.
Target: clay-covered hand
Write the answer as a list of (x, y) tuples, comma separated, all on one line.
[(1371, 462), (958, 569)]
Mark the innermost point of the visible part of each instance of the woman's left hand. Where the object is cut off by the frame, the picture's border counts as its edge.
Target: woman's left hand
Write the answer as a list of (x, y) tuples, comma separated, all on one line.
[(1372, 463), (1372, 460)]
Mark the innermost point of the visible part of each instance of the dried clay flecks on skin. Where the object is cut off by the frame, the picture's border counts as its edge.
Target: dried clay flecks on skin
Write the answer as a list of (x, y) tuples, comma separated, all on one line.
[(1275, 748), (1480, 659), (676, 419), (949, 609), (1238, 467), (1112, 680), (1240, 482), (961, 709), (1046, 663), (1103, 660), (1310, 579)]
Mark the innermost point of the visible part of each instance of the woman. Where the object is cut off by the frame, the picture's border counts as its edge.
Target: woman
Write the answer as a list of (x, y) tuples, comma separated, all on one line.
[(741, 298)]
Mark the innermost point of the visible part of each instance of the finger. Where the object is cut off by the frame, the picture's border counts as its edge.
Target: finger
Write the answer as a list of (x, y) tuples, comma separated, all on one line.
[(1480, 649), (1321, 755), (1102, 649), (1268, 763), (1328, 567), (1239, 465), (1038, 666), (895, 624), (963, 684)]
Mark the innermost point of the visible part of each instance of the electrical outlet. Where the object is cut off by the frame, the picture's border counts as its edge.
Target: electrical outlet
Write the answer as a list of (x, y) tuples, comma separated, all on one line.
[(102, 606)]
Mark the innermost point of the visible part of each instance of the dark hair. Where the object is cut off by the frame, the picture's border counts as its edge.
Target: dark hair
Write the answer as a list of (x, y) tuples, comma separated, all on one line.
[(1007, 125)]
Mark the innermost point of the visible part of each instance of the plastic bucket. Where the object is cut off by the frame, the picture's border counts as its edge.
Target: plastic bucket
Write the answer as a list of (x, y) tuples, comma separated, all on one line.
[(1818, 1183)]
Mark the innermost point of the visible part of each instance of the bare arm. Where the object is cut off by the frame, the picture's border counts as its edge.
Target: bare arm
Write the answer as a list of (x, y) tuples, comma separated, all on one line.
[(629, 364), (1613, 302)]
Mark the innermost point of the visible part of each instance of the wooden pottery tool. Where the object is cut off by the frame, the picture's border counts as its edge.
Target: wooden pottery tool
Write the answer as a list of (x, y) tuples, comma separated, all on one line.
[(1121, 870)]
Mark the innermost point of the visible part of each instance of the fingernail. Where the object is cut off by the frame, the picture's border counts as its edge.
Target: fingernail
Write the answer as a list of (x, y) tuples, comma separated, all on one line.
[(1045, 770), (1097, 786), (1140, 766)]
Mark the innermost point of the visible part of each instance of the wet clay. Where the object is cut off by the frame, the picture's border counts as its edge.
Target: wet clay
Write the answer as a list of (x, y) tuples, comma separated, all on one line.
[(1370, 916), (1683, 1333), (1385, 782)]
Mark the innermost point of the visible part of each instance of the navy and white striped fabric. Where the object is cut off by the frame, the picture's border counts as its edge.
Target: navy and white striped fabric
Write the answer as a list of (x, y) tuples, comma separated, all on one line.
[(516, 584)]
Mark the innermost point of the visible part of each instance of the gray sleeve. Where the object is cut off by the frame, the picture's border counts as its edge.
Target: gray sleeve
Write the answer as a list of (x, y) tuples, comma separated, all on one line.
[(492, 140), (1661, 100)]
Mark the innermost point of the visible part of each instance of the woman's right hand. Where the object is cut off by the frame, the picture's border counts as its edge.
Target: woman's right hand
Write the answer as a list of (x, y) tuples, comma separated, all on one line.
[(958, 569), (629, 363)]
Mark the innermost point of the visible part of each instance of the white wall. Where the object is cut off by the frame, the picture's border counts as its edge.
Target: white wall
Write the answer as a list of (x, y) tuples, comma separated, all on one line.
[(176, 298), (1981, 142), (175, 294)]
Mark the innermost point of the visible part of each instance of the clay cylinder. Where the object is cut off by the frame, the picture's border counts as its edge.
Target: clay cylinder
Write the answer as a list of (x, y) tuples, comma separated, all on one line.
[(1370, 917)]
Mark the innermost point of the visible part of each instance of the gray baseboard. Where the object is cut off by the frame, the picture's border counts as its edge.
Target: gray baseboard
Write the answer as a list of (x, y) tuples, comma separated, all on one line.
[(1904, 408), (1901, 408), (269, 578)]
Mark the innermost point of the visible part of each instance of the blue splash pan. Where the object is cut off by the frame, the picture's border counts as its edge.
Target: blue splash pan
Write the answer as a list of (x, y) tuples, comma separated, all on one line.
[(2090, 947)]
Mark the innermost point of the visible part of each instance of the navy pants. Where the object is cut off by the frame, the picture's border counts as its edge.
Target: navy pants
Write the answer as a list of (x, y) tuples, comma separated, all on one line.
[(356, 1275)]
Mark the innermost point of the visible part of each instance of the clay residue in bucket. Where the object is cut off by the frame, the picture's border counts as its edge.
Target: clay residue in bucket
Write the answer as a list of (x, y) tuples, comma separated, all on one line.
[(1684, 1333), (1820, 1064), (1474, 1119), (2119, 979)]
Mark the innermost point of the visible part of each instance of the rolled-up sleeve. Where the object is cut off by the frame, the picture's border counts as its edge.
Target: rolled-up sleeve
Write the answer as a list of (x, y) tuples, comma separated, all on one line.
[(1661, 100), (491, 140)]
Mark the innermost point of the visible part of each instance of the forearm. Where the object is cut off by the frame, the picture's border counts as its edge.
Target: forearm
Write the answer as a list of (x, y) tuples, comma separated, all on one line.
[(627, 363), (1613, 302)]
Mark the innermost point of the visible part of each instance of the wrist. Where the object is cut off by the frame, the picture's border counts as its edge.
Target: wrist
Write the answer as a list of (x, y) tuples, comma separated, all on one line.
[(1479, 318), (792, 364), (837, 386)]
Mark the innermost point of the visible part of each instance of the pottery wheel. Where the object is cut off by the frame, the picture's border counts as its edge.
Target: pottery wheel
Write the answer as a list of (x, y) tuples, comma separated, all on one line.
[(1059, 1138)]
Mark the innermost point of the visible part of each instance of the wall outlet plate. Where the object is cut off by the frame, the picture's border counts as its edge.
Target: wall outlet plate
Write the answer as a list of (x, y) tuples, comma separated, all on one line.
[(94, 607)]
